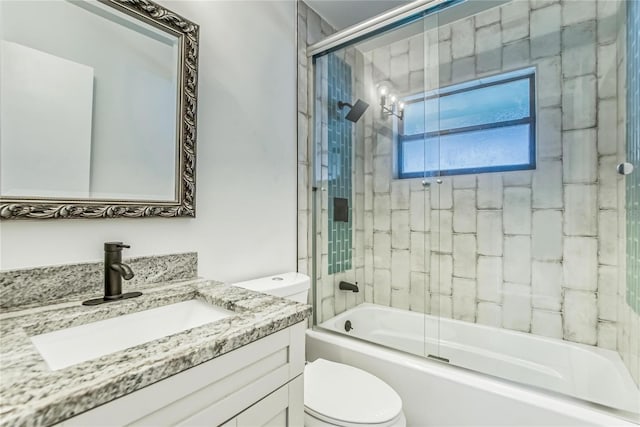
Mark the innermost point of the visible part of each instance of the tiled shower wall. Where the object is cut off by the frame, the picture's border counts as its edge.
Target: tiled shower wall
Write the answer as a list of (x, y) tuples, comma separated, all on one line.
[(536, 251), (331, 300), (311, 29), (339, 162), (533, 251), (629, 150)]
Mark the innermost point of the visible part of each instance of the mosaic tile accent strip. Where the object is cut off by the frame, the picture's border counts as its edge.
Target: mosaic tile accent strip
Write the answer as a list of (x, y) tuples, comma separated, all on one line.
[(633, 155), (340, 167)]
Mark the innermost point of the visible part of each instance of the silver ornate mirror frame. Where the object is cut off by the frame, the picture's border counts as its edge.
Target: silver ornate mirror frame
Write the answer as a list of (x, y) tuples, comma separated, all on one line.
[(187, 33)]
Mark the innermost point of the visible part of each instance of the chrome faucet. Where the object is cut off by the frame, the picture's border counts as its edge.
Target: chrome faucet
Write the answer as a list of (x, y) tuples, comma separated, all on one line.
[(114, 271)]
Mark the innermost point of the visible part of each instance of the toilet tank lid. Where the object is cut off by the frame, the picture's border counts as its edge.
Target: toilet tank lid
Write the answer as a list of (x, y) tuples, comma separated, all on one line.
[(281, 285)]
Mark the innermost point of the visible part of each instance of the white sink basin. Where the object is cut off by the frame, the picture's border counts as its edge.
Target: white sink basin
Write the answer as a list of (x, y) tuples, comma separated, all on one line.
[(77, 344)]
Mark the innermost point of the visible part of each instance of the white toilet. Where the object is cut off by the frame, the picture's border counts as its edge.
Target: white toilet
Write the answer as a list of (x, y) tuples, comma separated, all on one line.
[(335, 394)]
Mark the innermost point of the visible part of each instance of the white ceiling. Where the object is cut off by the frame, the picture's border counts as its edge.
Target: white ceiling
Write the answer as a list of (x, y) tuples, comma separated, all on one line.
[(345, 13)]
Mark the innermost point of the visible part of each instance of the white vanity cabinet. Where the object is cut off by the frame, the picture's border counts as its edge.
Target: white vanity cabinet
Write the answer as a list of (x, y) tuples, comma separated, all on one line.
[(258, 384)]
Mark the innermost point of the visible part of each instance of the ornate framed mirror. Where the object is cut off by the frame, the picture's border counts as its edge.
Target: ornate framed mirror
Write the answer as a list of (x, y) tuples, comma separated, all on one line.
[(98, 109)]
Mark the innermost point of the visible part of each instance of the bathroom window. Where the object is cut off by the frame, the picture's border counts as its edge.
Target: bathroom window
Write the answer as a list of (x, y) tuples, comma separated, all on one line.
[(483, 125)]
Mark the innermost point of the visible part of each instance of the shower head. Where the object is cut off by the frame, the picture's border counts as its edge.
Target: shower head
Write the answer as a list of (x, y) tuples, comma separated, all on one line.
[(357, 110)]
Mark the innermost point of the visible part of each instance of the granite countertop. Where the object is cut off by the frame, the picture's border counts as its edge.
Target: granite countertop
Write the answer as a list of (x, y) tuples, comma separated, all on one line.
[(31, 394)]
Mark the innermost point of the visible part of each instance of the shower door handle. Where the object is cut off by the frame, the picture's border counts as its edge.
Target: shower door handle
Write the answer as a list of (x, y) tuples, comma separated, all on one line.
[(625, 168)]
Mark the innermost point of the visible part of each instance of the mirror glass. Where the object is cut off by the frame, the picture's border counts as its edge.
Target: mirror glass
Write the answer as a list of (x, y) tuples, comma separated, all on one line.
[(89, 103)]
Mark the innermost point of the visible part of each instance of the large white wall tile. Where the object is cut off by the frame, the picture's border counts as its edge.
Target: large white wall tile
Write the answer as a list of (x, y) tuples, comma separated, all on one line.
[(419, 297), (546, 285), (382, 286), (580, 212), (462, 38), (607, 183), (487, 17), (517, 259), (399, 194), (490, 191), (464, 211), (441, 273), (442, 306), (490, 233), (545, 31), (416, 53), (420, 251), (547, 323), (381, 212), (579, 48), (382, 249), (580, 317), (464, 255), (442, 194), (464, 299), (464, 181), (400, 229), (581, 263), (488, 48), (607, 129), (400, 299), (400, 268), (607, 335), (574, 12), (516, 307), (419, 212), (489, 314), (546, 239), (547, 184), (463, 69), (442, 232), (580, 156), (516, 55), (515, 21), (549, 132), (517, 178), (607, 70), (490, 279), (608, 237), (517, 210), (382, 173), (579, 102)]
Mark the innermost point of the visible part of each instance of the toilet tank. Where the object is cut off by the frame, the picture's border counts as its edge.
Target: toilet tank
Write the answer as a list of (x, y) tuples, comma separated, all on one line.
[(293, 286)]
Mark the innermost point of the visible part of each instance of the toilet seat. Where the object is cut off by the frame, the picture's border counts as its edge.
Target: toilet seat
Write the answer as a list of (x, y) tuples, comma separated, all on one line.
[(346, 396)]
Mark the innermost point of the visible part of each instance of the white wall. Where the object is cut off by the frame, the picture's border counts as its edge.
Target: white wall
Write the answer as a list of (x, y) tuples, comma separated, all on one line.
[(246, 170)]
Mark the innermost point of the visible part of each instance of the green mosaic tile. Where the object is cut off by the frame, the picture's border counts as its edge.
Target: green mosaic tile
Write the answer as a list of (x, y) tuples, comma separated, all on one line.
[(340, 155), (633, 155)]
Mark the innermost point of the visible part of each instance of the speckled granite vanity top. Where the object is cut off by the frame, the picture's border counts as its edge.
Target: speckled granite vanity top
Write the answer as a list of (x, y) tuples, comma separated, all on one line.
[(31, 394)]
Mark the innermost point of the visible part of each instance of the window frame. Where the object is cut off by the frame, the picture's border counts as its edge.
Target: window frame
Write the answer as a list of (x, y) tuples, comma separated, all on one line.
[(531, 121)]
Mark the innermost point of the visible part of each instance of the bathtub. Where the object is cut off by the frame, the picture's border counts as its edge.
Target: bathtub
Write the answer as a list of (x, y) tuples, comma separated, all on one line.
[(436, 393)]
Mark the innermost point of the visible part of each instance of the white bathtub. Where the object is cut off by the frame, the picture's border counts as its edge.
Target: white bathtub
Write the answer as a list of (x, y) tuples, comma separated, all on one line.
[(436, 393)]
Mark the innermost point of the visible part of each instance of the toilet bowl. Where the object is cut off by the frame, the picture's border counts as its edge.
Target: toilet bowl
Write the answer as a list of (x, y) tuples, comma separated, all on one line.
[(335, 394), (341, 395)]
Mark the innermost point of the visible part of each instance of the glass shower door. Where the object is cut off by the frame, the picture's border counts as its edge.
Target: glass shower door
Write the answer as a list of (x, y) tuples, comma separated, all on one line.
[(339, 185)]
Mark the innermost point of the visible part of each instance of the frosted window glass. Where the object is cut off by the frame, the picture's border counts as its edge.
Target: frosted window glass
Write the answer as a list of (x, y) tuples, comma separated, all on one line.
[(469, 128)]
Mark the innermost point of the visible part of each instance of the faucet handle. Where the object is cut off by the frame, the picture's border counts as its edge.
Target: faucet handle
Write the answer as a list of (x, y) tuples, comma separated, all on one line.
[(114, 246)]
